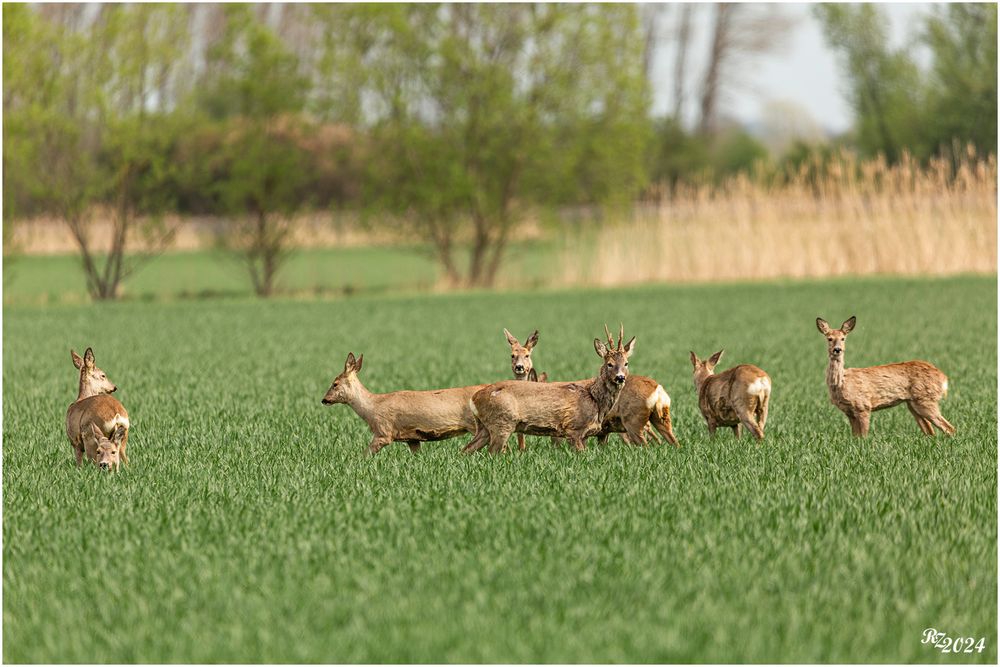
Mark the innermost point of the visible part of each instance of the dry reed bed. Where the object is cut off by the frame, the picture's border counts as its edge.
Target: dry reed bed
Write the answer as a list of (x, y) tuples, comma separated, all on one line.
[(855, 217)]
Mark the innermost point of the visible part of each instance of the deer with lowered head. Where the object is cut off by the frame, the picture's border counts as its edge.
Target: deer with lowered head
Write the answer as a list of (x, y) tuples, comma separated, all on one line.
[(737, 397), (858, 391), (95, 408), (521, 365), (573, 410), (412, 417)]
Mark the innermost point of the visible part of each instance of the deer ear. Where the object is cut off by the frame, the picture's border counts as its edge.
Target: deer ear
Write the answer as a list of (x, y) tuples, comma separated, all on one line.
[(714, 359), (532, 376), (822, 325), (98, 433), (848, 326), (510, 338), (349, 364), (630, 347), (88, 358), (600, 348), (532, 340), (357, 364), (694, 359), (544, 377), (118, 435), (77, 359)]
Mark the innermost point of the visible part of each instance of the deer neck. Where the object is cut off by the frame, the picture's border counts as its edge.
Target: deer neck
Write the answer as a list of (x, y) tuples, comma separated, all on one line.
[(86, 390), (363, 403), (835, 374), (604, 396)]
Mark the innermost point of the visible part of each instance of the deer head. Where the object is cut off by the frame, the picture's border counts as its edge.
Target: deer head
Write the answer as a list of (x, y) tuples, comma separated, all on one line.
[(93, 381), (615, 368), (520, 355), (108, 451), (836, 338), (702, 369), (346, 386)]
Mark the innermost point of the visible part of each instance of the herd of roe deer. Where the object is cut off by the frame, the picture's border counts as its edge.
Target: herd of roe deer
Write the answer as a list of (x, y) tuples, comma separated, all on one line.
[(614, 401)]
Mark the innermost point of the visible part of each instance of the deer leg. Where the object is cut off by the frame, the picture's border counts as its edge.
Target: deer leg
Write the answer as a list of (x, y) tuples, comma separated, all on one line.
[(414, 446), (557, 441), (79, 456), (750, 421), (498, 440), (930, 411), (377, 443), (520, 441), (924, 425), (663, 426), (635, 431), (577, 441), (124, 456), (737, 431), (711, 428), (864, 422), (762, 411), (480, 440)]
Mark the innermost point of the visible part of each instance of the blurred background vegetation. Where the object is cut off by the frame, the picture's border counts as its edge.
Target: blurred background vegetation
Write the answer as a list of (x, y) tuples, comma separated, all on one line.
[(331, 148)]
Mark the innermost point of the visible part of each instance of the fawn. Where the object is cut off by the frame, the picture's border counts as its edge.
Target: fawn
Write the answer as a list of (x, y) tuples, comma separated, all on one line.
[(104, 451), (736, 397), (412, 417), (858, 391), (94, 406), (573, 410)]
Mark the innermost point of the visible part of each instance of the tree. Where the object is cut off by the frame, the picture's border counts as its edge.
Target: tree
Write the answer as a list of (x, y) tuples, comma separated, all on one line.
[(884, 85), (477, 112), (962, 86), (258, 174)]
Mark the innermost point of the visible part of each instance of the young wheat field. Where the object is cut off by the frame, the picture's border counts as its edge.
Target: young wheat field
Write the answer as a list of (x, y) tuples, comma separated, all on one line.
[(252, 526)]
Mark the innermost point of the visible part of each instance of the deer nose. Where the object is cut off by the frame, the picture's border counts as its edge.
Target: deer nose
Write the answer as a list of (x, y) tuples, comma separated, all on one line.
[(620, 378), (519, 368), (104, 465), (114, 388), (836, 350), (327, 401)]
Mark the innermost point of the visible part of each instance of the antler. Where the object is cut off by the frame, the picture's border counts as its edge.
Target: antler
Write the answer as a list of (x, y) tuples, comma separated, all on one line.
[(621, 335), (611, 339)]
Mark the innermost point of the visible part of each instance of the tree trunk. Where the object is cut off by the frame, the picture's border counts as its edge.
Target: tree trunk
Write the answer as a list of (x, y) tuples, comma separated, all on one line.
[(719, 50), (680, 62)]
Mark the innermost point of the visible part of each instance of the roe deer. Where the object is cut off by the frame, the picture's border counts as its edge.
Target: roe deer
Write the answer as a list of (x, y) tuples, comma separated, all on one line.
[(93, 405), (573, 410), (738, 396), (104, 451), (520, 364), (859, 391), (642, 405), (412, 417)]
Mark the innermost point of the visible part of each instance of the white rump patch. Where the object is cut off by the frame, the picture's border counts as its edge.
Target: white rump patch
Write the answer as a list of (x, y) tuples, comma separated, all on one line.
[(944, 388), (659, 399), (472, 406), (119, 420), (759, 387)]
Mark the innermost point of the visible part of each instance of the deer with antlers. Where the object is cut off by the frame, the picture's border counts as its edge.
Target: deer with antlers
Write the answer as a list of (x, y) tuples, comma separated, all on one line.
[(857, 392), (573, 410)]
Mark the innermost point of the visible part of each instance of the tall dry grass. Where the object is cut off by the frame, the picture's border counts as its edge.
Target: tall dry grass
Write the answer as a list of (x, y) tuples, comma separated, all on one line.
[(839, 217)]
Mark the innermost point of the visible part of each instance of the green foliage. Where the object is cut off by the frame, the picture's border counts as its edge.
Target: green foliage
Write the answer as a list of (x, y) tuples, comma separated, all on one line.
[(680, 156), (251, 526)]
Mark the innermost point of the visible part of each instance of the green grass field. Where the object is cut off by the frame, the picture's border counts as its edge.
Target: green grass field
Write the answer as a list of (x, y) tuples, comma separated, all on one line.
[(251, 526)]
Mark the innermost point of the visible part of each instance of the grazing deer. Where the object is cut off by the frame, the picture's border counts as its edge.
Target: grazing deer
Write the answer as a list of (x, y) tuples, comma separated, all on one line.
[(738, 396), (104, 451), (94, 406), (642, 405), (520, 364), (859, 391), (412, 417), (573, 410)]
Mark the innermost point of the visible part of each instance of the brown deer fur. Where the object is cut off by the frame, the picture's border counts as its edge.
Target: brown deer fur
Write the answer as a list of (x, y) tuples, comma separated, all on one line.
[(94, 406), (104, 451), (412, 417), (859, 391), (521, 365), (735, 398), (573, 410)]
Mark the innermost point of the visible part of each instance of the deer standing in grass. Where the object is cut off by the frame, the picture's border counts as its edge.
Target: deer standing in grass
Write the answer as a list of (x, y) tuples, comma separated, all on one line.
[(94, 407), (642, 403), (737, 397), (412, 417), (521, 365), (859, 391), (573, 410)]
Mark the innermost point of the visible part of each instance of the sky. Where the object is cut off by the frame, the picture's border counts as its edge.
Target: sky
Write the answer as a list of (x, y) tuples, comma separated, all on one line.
[(801, 70)]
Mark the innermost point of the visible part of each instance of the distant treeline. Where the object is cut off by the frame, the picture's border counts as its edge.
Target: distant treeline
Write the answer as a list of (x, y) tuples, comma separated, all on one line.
[(455, 120)]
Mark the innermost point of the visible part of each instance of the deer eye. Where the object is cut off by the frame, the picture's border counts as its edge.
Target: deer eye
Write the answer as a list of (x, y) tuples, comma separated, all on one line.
[(830, 339), (626, 364)]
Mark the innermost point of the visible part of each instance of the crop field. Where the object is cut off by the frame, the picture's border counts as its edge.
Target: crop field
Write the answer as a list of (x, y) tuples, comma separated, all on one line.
[(252, 526)]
